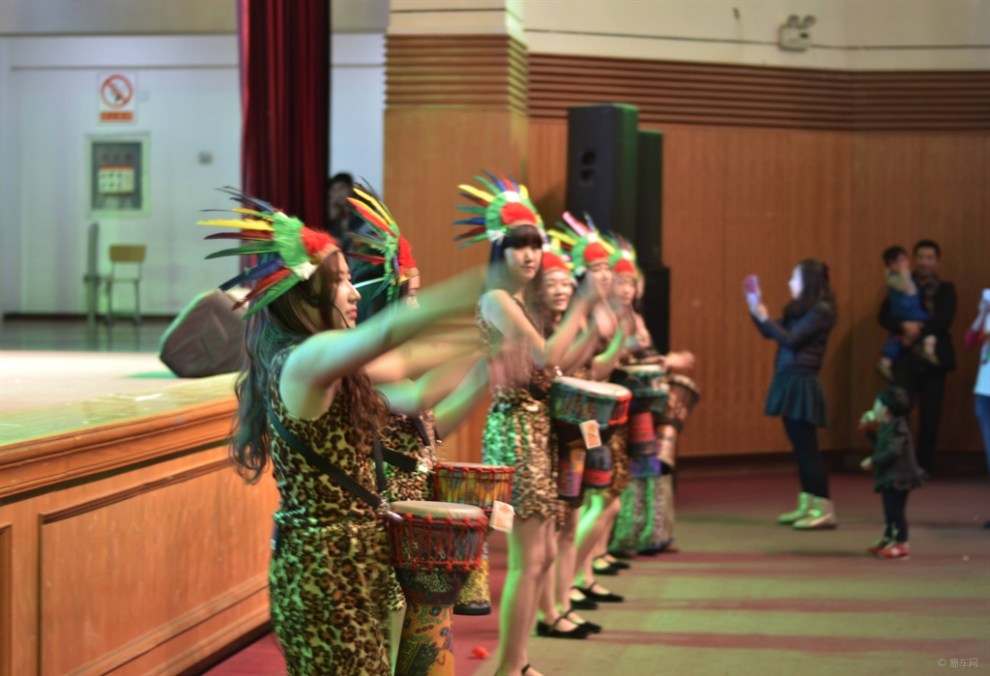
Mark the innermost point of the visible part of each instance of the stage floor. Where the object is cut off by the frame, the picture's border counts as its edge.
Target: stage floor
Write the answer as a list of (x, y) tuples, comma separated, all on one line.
[(748, 598)]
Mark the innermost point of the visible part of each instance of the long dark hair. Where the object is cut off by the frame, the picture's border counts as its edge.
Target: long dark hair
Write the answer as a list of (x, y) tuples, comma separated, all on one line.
[(282, 323), (519, 237), (817, 288)]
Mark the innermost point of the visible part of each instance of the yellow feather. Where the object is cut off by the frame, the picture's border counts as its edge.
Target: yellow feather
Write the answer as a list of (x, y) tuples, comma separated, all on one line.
[(523, 191), (375, 204), (480, 194), (249, 224)]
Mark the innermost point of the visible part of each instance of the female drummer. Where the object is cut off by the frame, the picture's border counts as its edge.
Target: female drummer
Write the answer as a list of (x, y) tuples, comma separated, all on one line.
[(384, 259), (517, 429), (306, 405), (796, 393), (590, 254)]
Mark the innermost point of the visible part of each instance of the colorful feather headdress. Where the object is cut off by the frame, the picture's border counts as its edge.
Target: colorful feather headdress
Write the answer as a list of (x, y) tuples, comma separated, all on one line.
[(585, 243), (501, 205), (383, 245), (554, 257), (623, 259), (288, 252)]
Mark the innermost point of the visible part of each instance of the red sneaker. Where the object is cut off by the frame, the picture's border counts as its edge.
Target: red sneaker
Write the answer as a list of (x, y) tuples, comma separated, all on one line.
[(879, 545), (898, 550)]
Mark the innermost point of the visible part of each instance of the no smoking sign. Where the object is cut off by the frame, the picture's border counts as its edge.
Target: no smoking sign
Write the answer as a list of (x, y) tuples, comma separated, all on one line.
[(117, 95)]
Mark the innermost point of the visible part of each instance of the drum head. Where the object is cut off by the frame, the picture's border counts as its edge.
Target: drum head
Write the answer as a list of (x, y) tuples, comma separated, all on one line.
[(610, 390), (470, 466), (684, 382), (642, 369), (423, 508)]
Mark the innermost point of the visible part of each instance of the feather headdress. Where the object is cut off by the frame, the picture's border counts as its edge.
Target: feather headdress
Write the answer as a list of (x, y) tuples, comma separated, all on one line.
[(498, 206), (382, 246), (288, 252), (623, 259), (554, 257), (583, 241)]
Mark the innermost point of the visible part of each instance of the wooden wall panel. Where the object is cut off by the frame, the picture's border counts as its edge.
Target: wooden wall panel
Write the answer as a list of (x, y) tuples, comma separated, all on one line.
[(763, 166), (908, 187), (745, 200)]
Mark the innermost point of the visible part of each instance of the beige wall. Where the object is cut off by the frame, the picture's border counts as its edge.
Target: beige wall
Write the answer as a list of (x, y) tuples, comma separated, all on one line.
[(848, 34)]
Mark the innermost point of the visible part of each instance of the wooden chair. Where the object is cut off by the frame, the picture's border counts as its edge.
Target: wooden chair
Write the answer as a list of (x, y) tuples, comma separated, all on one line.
[(126, 261)]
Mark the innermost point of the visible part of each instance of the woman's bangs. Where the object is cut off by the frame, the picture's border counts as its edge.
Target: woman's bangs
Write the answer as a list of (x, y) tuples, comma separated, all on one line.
[(523, 236)]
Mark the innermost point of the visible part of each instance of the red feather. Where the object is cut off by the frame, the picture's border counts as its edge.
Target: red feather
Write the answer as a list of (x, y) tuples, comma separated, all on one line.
[(516, 213), (266, 283), (374, 260), (406, 260), (316, 241)]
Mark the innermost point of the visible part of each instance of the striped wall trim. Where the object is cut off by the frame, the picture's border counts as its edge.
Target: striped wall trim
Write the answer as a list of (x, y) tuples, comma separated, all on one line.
[(730, 95), (464, 71)]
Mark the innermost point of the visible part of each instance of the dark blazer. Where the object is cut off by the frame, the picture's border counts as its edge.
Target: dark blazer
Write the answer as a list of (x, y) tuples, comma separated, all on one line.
[(802, 340), (938, 325)]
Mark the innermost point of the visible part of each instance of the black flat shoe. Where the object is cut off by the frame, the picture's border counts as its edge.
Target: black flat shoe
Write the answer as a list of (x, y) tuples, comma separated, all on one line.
[(589, 627), (472, 608), (618, 565), (621, 554), (551, 630), (583, 603), (599, 597), (603, 567)]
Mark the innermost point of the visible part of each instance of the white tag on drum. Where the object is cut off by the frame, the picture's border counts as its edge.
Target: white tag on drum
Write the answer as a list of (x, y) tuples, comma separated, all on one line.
[(592, 437), (502, 515)]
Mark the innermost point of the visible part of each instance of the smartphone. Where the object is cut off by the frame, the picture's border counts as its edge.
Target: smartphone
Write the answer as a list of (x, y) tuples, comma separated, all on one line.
[(752, 284)]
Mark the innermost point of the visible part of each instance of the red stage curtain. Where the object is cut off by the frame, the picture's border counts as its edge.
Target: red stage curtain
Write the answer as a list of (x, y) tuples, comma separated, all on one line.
[(285, 100)]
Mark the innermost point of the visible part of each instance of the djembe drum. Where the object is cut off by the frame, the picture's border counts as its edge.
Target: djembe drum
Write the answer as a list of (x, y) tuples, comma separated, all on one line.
[(471, 483), (681, 401), (574, 401), (433, 548), (634, 520), (683, 397)]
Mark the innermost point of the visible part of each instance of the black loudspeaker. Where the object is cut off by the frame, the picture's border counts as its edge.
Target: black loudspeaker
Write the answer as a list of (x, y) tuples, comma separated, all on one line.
[(601, 165), (649, 200), (207, 338), (655, 306)]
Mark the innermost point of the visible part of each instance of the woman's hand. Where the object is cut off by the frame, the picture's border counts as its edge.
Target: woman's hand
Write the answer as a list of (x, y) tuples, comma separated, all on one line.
[(751, 290), (679, 361), (760, 312), (606, 323)]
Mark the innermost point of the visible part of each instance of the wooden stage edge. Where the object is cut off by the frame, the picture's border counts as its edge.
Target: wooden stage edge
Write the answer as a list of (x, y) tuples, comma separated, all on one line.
[(128, 544)]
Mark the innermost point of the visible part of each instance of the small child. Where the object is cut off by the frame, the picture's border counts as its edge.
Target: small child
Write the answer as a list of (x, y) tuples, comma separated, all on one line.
[(905, 305), (895, 470)]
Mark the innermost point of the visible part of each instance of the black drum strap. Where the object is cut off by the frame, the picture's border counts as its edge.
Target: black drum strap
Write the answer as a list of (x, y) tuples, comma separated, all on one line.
[(336, 474)]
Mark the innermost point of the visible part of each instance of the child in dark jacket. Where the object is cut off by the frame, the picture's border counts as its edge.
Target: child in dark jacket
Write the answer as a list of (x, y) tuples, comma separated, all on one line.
[(895, 469)]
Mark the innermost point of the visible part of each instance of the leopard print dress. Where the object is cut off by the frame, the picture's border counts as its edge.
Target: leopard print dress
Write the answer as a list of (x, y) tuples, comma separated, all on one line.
[(518, 434), (401, 435), (331, 584)]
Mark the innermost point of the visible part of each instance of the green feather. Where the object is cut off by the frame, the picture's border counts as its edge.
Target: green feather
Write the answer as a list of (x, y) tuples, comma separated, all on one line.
[(246, 249), (272, 293)]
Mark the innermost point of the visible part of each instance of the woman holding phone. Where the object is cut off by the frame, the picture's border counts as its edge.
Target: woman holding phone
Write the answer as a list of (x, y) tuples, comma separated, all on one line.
[(796, 393)]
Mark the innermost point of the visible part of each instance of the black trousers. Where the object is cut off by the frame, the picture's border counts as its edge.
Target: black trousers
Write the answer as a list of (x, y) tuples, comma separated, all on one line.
[(895, 514), (811, 470), (926, 385)]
